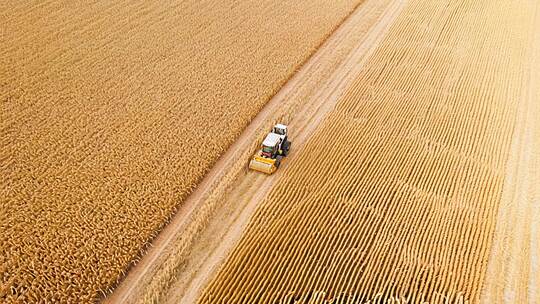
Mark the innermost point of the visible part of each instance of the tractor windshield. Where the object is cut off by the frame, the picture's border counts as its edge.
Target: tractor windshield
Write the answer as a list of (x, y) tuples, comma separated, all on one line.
[(279, 131), (268, 149)]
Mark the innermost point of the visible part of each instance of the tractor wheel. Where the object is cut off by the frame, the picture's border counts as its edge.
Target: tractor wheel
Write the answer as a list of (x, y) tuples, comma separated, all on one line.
[(286, 148), (278, 161)]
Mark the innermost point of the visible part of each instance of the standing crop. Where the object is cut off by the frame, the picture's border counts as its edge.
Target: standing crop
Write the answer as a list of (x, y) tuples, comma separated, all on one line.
[(112, 111)]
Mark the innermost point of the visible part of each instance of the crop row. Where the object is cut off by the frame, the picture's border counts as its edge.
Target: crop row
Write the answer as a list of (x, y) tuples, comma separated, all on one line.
[(394, 198)]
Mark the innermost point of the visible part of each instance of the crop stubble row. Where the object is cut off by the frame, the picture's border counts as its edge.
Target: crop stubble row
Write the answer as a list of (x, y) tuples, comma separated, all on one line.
[(112, 111), (513, 270), (395, 196)]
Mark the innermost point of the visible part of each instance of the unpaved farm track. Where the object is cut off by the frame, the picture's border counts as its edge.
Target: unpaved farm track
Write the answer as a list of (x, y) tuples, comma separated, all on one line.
[(395, 195), (302, 102), (253, 187)]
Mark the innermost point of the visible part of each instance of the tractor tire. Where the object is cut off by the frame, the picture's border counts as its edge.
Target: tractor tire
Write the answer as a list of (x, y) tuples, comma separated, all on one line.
[(286, 148), (278, 161)]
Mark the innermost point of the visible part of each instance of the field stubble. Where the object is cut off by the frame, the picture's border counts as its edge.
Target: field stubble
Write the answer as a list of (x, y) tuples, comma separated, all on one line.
[(396, 194), (514, 264)]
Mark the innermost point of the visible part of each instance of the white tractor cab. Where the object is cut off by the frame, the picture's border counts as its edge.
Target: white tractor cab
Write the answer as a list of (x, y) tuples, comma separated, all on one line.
[(276, 142), (274, 147)]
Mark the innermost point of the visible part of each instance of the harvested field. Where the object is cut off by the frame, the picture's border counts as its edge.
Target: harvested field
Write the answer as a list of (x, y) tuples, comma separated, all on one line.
[(396, 195), (513, 273), (111, 112)]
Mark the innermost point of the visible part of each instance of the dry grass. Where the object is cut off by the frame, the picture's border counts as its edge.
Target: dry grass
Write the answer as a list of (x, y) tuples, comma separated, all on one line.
[(111, 112), (395, 197)]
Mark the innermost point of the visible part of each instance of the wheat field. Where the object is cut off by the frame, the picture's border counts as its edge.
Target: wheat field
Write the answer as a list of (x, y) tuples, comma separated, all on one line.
[(394, 198), (112, 111)]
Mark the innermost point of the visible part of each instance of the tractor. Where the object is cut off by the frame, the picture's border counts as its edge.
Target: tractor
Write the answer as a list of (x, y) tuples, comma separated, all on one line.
[(275, 146)]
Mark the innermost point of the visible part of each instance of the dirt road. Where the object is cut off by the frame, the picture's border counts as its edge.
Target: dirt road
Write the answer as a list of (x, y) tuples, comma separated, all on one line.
[(253, 186), (302, 103)]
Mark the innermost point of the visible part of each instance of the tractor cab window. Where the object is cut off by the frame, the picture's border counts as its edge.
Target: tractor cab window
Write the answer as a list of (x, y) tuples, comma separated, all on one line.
[(279, 131), (268, 149)]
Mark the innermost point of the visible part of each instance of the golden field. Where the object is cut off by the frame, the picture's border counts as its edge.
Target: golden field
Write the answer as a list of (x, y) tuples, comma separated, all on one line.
[(395, 197), (112, 111)]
